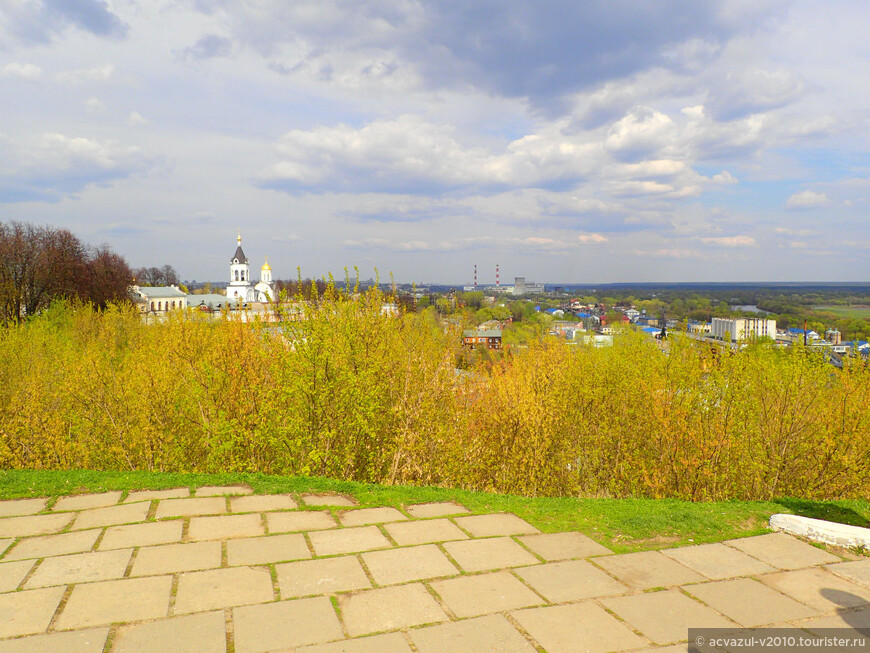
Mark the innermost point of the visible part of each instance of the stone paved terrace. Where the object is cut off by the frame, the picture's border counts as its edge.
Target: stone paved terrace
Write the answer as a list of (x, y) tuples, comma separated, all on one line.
[(226, 570)]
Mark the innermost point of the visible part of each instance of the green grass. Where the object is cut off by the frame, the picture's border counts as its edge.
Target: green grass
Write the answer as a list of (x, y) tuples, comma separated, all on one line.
[(621, 524), (852, 312)]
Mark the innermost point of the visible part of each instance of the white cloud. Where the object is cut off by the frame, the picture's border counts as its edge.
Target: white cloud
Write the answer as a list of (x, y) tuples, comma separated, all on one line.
[(806, 199), (135, 119), (725, 177), (94, 106), (730, 241), (592, 238), (95, 75), (26, 71)]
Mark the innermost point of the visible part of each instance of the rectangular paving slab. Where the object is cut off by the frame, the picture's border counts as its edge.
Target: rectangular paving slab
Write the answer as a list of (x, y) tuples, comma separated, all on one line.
[(439, 509), (495, 524), (325, 576), (80, 568), (12, 573), (225, 526), (54, 545), (489, 634), (472, 596), (818, 588), (386, 643), (365, 516), (164, 532), (857, 571), (783, 551), (196, 633), (86, 501), (648, 569), (150, 495), (348, 540), (327, 500), (570, 580), (77, 641), (576, 628), (174, 558), (263, 550), (717, 561), (424, 531), (406, 564), (665, 617), (222, 490), (305, 520), (28, 612), (563, 546), (750, 603), (263, 503), (222, 588), (389, 608), (21, 507), (490, 553), (98, 604), (123, 514), (34, 525), (191, 507), (285, 624)]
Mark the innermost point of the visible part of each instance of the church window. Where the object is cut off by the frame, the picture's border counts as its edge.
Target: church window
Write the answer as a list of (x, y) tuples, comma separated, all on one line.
[(159, 306), (173, 303), (152, 306), (237, 275)]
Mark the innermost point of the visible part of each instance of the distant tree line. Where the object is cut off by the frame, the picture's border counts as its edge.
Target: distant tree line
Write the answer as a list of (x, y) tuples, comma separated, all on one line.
[(40, 264), (165, 276)]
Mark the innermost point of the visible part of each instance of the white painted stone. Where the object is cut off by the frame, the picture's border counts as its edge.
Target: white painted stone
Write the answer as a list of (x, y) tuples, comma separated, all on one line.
[(819, 530)]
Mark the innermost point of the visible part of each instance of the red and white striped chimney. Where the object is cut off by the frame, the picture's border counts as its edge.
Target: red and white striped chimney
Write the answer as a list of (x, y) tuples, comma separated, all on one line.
[(475, 275), (496, 275)]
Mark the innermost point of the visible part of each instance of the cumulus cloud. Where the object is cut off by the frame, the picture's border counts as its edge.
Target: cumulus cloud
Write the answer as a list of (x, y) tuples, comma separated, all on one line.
[(503, 243), (806, 199), (724, 177), (754, 91), (53, 166), (209, 46), (135, 119), (94, 106), (586, 239), (96, 74), (642, 133), (730, 241), (33, 22), (26, 71)]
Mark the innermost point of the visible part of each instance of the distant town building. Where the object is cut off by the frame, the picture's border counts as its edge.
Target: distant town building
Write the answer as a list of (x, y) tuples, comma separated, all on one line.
[(744, 328), (833, 336), (158, 299), (523, 288), (482, 339)]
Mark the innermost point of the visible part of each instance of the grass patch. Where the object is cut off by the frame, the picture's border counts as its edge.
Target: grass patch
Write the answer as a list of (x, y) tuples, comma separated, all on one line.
[(851, 312), (620, 524)]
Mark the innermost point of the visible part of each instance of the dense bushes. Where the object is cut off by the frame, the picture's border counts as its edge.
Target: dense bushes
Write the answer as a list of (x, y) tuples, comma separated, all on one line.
[(339, 389)]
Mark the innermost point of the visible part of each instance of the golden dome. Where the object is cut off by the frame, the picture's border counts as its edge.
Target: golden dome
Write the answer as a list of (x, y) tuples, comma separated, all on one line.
[(266, 265)]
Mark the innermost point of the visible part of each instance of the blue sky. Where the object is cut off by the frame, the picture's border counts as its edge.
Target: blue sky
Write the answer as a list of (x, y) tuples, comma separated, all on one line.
[(618, 140)]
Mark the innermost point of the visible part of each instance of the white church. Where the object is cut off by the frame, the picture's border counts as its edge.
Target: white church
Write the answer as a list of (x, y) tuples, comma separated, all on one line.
[(242, 287)]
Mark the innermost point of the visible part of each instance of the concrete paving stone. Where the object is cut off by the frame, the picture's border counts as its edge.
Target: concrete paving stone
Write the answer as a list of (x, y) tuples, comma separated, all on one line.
[(472, 596), (87, 501), (222, 588), (857, 571), (80, 568), (120, 537), (12, 573), (196, 633), (348, 540), (665, 617), (853, 619), (123, 514), (285, 624), (263, 503), (325, 576), (305, 520), (107, 602), (5, 544), (327, 500), (387, 643), (34, 525), (222, 490), (576, 628), (174, 558), (389, 608), (495, 524), (783, 551), (424, 532), (563, 546), (28, 612), (717, 561), (150, 495), (488, 554), (225, 526), (191, 507), (22, 507), (570, 580), (439, 509), (54, 545), (750, 603), (263, 550), (818, 588), (648, 569), (78, 641), (489, 634), (407, 564), (364, 516)]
